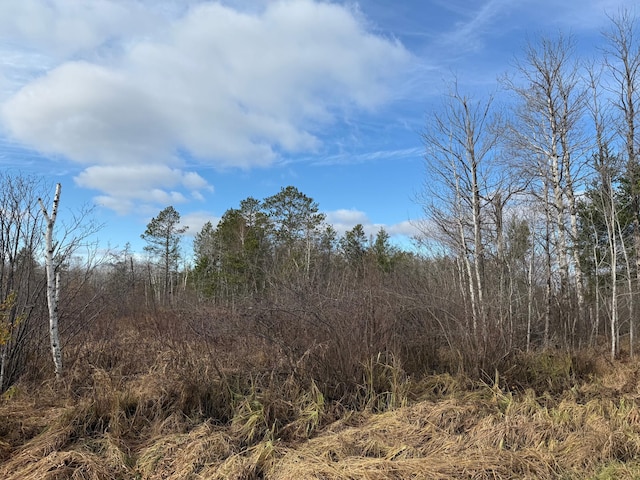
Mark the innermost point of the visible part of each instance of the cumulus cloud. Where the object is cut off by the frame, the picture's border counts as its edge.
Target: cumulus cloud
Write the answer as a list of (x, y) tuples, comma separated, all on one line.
[(90, 114), (230, 87), (196, 220), (64, 28), (407, 228), (345, 219), (141, 185)]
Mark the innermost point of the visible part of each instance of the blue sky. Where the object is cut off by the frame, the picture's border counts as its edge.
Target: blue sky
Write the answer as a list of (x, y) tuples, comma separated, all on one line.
[(137, 105)]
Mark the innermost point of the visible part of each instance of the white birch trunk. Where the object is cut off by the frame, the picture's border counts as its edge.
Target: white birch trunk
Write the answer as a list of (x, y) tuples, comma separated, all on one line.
[(630, 288), (464, 251), (478, 263), (53, 283), (558, 194), (613, 247), (472, 164), (595, 329), (577, 264), (548, 289), (530, 296)]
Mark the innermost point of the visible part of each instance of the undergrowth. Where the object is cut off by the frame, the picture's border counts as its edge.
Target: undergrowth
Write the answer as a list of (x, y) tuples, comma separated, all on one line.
[(194, 409)]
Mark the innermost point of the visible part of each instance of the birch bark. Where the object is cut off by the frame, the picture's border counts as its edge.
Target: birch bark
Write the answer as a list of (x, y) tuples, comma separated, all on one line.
[(53, 282)]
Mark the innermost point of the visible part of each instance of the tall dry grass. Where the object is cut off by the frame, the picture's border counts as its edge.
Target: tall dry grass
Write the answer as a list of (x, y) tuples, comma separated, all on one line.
[(148, 402)]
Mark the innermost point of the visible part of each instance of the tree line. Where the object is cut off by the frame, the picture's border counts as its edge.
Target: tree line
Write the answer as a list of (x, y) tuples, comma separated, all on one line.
[(258, 244), (530, 239)]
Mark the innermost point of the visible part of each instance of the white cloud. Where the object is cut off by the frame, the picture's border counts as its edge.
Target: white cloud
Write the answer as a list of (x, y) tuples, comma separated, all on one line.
[(65, 28), (140, 185), (197, 196), (407, 228), (230, 88), (194, 181), (367, 157), (345, 219), (90, 114), (119, 205), (196, 220), (126, 179)]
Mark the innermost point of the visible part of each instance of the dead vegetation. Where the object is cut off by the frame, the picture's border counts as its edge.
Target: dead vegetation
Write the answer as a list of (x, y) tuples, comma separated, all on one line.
[(147, 408)]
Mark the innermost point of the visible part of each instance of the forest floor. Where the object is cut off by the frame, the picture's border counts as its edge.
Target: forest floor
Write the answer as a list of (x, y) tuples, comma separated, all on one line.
[(179, 419)]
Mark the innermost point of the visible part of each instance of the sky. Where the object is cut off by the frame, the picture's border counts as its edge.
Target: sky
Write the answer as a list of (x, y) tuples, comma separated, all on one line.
[(135, 105)]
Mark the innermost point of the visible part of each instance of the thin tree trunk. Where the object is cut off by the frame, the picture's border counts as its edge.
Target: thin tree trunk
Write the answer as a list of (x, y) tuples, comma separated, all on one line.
[(3, 365), (463, 291), (462, 238), (478, 257), (613, 246), (530, 298), (478, 246), (629, 285), (548, 291), (563, 262), (595, 329), (577, 264)]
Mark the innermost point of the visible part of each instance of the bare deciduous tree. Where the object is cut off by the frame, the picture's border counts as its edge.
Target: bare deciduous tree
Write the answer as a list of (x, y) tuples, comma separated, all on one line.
[(546, 133), (53, 281), (21, 285), (622, 61), (461, 143)]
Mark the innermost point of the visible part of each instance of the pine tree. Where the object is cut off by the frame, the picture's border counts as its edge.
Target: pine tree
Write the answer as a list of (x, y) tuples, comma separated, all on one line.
[(163, 236)]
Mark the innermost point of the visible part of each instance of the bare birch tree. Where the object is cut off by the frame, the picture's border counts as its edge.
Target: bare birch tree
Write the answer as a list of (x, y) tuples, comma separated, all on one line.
[(460, 144), (622, 60), (53, 281), (547, 133), (606, 204)]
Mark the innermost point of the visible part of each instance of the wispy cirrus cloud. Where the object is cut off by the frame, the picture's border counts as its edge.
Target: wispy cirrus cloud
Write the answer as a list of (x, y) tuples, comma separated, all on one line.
[(364, 157), (476, 21)]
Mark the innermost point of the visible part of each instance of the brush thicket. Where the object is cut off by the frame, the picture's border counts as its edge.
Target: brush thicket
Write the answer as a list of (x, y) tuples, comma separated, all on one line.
[(144, 405)]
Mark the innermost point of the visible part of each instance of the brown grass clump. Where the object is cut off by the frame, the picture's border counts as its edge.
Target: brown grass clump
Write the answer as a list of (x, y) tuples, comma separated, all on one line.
[(74, 444), (74, 465), (185, 455)]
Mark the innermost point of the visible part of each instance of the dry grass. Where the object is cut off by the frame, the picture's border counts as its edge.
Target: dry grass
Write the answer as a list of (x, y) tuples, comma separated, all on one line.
[(189, 412), (485, 434)]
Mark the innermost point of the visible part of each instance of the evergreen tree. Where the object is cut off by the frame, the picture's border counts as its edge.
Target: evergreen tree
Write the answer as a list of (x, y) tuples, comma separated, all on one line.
[(354, 245), (206, 259), (230, 258), (163, 236), (296, 224), (385, 254)]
